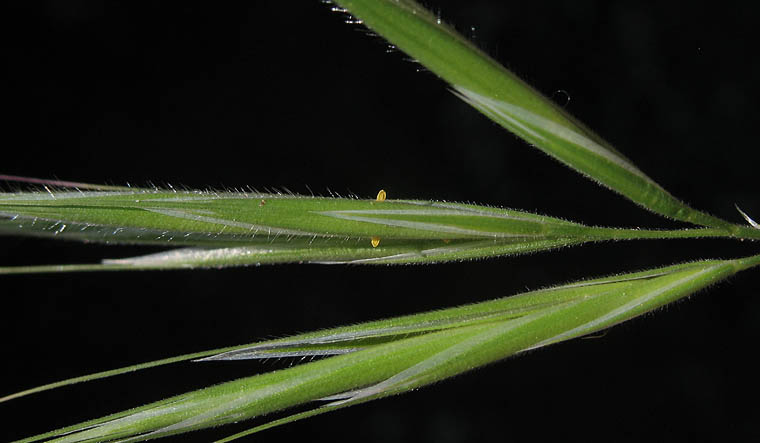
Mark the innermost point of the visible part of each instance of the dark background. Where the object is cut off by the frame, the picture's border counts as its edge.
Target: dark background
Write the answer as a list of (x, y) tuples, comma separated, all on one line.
[(272, 94)]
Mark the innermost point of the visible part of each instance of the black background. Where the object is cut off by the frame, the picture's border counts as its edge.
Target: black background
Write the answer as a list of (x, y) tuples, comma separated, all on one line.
[(286, 95)]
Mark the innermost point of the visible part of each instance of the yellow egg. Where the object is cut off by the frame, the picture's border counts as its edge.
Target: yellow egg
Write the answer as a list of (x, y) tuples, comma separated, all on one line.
[(375, 241), (381, 195)]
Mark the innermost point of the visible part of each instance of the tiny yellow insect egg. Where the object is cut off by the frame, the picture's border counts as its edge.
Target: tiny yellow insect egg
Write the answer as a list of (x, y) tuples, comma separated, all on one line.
[(375, 241), (381, 195)]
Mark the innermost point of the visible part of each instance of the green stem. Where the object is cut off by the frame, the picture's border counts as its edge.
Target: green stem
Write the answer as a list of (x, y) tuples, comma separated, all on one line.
[(655, 234), (747, 262)]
